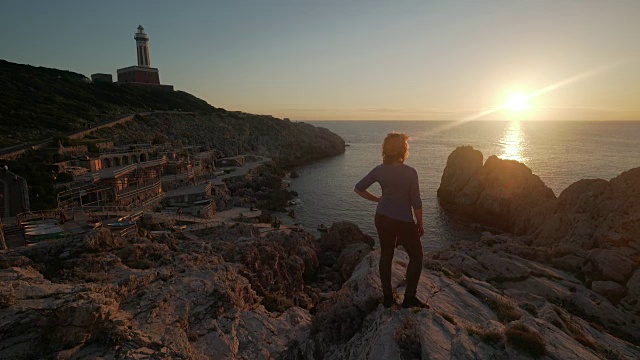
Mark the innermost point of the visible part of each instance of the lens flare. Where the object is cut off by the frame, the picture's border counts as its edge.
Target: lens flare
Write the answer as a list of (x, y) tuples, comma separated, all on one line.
[(517, 103)]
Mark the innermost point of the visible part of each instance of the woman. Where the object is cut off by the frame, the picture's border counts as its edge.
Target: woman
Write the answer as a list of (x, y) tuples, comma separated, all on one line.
[(394, 218)]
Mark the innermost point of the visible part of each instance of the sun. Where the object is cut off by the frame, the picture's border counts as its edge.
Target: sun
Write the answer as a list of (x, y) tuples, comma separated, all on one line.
[(517, 103)]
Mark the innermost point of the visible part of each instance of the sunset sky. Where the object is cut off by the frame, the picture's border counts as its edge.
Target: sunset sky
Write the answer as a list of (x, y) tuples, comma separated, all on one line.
[(343, 60)]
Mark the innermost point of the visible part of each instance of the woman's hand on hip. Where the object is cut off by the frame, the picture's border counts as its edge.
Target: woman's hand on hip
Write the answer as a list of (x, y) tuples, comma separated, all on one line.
[(420, 229)]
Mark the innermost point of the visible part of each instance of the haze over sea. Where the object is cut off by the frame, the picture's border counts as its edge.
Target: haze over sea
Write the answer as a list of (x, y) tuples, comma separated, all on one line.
[(560, 152)]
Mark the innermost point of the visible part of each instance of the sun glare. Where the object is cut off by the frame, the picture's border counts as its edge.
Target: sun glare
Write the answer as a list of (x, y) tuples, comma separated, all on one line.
[(517, 102)]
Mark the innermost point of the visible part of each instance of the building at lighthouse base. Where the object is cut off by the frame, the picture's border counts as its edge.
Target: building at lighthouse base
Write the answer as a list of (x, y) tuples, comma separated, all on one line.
[(141, 75)]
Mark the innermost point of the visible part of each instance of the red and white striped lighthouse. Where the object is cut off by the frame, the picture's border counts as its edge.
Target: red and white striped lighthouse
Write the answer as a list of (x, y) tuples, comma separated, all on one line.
[(142, 45)]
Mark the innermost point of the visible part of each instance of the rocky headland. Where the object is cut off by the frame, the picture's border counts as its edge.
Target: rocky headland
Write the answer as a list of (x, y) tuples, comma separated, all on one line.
[(552, 278), (232, 133)]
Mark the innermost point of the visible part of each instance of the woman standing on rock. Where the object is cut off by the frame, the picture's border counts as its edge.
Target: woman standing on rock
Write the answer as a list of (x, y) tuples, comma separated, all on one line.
[(394, 218)]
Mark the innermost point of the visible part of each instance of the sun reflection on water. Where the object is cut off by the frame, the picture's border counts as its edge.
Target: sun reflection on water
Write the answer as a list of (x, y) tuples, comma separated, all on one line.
[(513, 143)]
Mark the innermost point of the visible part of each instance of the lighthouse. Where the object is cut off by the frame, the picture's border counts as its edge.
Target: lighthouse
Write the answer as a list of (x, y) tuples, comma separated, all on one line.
[(142, 45), (143, 73)]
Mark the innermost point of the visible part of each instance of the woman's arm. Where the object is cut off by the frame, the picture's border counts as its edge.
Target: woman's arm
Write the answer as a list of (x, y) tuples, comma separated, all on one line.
[(419, 221), (363, 185), (367, 195), (416, 202)]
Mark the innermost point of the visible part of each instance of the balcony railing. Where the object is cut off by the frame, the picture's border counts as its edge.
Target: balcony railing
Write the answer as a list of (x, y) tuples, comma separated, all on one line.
[(128, 149), (154, 199), (130, 231), (124, 170), (151, 163), (138, 190)]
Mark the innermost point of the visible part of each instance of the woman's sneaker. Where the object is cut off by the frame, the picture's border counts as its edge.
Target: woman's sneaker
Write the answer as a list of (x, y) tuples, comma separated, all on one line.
[(412, 301)]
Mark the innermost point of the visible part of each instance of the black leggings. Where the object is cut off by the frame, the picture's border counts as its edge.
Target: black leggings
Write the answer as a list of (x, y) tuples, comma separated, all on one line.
[(395, 232)]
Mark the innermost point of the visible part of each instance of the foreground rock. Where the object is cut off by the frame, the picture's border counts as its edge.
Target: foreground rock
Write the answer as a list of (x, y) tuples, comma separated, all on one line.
[(233, 295), (342, 248), (103, 297), (537, 316)]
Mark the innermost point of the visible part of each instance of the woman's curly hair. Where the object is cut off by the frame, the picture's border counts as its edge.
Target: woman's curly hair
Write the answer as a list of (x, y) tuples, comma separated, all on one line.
[(395, 148)]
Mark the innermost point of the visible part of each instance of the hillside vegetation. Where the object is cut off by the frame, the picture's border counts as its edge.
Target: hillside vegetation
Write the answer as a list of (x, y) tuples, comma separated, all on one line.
[(39, 103)]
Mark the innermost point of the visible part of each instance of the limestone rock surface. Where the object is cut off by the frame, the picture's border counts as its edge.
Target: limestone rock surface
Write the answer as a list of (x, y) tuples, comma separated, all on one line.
[(592, 229), (99, 296)]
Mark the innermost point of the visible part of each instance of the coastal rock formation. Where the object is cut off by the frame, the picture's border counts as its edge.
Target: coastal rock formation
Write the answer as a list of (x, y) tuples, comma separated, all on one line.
[(504, 194), (594, 214), (499, 194), (261, 187), (230, 134), (277, 267), (341, 249), (592, 229)]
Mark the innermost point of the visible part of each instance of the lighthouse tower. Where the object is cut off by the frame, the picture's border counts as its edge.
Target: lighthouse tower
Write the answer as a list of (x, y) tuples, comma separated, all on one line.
[(142, 45), (143, 73)]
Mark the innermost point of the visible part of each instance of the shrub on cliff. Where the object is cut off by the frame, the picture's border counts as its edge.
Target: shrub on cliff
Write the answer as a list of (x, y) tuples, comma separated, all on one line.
[(408, 340), (526, 339), (7, 298)]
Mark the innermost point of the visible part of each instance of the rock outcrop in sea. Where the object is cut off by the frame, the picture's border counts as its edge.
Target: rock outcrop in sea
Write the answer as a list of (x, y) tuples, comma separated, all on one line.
[(501, 193), (545, 283)]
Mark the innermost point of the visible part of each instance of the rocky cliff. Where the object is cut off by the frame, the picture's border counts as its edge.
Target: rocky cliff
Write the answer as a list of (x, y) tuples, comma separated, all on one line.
[(289, 143)]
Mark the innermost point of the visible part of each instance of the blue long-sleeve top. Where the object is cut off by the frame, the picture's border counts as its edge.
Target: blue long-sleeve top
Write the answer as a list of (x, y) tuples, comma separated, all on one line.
[(400, 190)]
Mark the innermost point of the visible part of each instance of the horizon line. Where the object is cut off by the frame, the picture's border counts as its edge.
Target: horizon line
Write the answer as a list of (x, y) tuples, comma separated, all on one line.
[(486, 120)]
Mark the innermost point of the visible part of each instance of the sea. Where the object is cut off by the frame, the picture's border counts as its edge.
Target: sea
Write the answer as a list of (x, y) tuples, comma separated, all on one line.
[(559, 152)]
